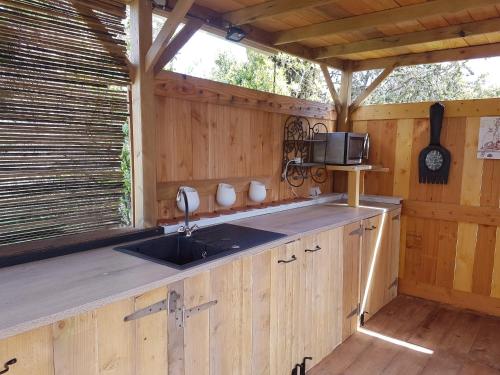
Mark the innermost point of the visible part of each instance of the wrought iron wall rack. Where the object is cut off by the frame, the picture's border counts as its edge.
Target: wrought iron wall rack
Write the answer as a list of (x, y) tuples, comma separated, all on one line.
[(298, 143)]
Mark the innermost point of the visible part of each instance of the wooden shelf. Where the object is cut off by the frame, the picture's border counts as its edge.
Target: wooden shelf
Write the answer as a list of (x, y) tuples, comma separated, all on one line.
[(353, 181), (357, 168)]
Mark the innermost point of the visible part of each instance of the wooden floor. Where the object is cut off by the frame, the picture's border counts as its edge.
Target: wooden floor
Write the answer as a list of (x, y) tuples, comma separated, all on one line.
[(463, 342)]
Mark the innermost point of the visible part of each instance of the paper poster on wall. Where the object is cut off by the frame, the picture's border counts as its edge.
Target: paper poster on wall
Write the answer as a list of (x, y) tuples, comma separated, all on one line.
[(489, 138)]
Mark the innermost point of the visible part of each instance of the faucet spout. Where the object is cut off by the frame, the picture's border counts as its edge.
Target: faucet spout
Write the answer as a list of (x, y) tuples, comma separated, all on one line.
[(186, 230)]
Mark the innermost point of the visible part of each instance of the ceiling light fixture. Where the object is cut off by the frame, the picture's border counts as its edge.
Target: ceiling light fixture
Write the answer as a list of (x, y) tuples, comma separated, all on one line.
[(235, 34)]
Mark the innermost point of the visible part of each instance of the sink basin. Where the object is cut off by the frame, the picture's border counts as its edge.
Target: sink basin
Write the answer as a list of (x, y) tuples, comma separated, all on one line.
[(204, 245)]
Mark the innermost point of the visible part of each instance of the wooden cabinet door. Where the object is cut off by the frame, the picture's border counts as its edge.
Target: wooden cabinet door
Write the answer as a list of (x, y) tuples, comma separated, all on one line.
[(218, 340), (32, 350), (374, 256), (393, 262), (323, 293), (351, 252), (287, 307)]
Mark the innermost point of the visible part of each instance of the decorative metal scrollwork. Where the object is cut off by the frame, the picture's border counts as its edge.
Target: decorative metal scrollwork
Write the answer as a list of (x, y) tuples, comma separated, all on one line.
[(298, 142)]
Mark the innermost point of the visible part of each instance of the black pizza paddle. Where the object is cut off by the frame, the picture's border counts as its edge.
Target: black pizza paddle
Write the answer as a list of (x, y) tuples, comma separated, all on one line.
[(434, 160)]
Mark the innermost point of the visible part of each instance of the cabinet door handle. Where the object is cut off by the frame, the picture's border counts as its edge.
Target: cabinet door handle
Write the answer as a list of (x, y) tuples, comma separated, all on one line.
[(317, 248), (373, 227), (7, 365), (292, 259)]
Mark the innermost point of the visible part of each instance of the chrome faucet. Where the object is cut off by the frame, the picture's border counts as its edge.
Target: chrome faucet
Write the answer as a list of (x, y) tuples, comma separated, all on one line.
[(185, 229)]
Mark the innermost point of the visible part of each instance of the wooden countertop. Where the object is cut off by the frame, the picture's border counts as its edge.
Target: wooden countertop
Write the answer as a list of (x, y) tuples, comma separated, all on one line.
[(43, 292)]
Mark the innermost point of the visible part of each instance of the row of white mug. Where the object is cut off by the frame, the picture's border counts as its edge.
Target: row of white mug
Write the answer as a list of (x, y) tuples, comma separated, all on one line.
[(226, 195)]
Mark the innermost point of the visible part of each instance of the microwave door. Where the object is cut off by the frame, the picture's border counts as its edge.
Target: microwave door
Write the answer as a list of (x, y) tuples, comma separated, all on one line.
[(355, 147)]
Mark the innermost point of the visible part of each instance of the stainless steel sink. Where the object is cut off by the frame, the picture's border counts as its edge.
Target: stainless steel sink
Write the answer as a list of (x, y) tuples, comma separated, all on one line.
[(181, 252)]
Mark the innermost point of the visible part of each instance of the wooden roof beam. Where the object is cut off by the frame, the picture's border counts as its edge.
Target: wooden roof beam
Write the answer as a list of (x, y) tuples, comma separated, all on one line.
[(453, 54), (256, 38), (427, 36), (271, 8), (370, 89), (191, 27), (167, 31), (394, 15), (331, 88)]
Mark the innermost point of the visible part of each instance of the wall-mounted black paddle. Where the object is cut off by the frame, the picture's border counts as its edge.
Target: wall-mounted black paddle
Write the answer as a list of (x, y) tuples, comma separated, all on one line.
[(435, 160)]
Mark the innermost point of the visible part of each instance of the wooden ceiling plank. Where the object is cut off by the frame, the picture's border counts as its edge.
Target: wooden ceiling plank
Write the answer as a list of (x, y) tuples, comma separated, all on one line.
[(331, 88), (191, 27), (271, 8), (432, 57), (443, 33), (174, 19), (390, 16), (370, 89)]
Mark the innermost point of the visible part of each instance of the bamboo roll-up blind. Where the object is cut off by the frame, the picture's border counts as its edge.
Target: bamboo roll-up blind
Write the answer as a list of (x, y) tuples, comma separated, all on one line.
[(63, 104)]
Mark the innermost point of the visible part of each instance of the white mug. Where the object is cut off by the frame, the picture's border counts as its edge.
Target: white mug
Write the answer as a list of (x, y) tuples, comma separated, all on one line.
[(226, 195), (192, 197), (257, 192)]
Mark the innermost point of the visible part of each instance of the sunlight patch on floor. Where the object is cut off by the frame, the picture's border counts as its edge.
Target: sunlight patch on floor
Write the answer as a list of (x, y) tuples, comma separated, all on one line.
[(394, 341)]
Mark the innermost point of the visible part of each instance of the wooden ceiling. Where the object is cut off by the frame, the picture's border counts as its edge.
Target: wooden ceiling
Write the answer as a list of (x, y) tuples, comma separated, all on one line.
[(362, 34)]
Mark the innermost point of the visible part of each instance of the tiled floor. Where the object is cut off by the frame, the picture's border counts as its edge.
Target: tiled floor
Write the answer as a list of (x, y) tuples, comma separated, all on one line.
[(434, 339)]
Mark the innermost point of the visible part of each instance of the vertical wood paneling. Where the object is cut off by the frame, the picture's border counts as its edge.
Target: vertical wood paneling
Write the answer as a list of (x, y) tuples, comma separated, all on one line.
[(495, 284), (151, 336), (33, 351), (261, 309), (473, 167), (402, 162), (466, 248), (196, 331), (75, 345), (443, 255), (115, 339), (483, 260), (198, 141), (382, 152), (446, 253)]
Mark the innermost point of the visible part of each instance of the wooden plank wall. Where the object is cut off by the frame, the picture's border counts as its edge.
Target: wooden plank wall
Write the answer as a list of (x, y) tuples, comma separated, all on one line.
[(208, 132), (450, 242)]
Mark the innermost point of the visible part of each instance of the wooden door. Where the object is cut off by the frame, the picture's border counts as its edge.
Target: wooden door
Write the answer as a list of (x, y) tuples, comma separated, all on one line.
[(374, 257), (323, 287), (287, 307), (351, 252)]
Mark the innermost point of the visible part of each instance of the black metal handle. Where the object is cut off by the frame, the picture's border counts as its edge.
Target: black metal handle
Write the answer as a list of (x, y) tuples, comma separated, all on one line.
[(436, 116), (303, 365), (7, 365), (292, 259), (373, 227), (317, 248)]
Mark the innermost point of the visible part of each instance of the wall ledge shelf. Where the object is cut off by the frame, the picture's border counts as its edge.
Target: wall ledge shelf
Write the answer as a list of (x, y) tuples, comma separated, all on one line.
[(354, 179)]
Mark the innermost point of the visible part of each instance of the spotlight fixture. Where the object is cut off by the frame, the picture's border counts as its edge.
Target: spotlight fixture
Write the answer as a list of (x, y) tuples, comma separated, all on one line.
[(235, 34)]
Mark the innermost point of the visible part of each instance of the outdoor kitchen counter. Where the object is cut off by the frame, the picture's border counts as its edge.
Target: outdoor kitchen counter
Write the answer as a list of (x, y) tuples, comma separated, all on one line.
[(43, 292)]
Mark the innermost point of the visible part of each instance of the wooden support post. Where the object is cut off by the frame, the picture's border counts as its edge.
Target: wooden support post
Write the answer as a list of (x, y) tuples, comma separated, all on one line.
[(345, 99), (369, 90), (331, 88), (353, 183), (143, 117)]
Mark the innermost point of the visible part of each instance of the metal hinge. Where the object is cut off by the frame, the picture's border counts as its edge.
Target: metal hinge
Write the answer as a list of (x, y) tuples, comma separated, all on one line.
[(396, 217), (362, 320), (171, 305), (393, 284), (353, 312)]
